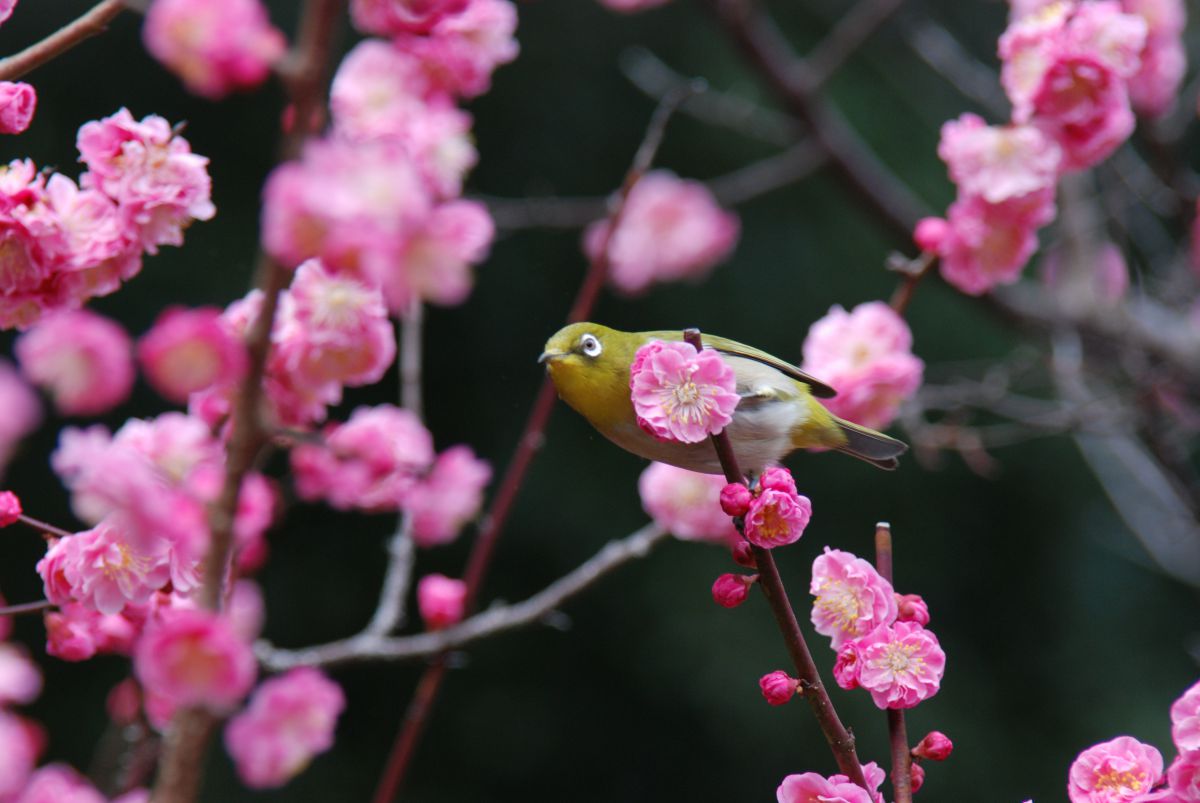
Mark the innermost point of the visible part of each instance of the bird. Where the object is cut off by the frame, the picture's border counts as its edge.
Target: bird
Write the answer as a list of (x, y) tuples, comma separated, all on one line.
[(777, 411)]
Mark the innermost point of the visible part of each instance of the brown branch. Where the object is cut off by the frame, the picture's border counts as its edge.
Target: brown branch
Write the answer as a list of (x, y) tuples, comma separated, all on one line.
[(530, 442), (91, 23), (840, 740), (912, 272), (897, 731), (43, 527), (27, 607), (848, 35)]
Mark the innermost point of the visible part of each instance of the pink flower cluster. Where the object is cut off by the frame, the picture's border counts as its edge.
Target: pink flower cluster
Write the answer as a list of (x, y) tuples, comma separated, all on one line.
[(189, 350), (866, 354), (686, 504), (65, 243), (670, 229), (773, 513), (382, 459), (1124, 770), (82, 359), (378, 197), (680, 394), (893, 657), (809, 787), (214, 46), (1069, 69)]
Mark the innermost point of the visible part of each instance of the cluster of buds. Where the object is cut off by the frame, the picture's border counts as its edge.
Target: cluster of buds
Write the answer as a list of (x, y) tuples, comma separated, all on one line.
[(773, 513)]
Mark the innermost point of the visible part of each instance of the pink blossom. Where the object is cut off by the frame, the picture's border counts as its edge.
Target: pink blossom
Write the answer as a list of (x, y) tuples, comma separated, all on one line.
[(377, 92), (730, 590), (194, 657), (188, 350), (936, 746), (671, 229), (391, 17), (989, 244), (58, 783), (930, 233), (246, 609), (215, 47), (852, 599), (289, 720), (20, 680), (743, 555), (436, 263), (810, 787), (735, 499), (777, 518), (10, 508), (687, 504), (6, 9), (150, 171), (778, 687), (77, 632), (1185, 720), (867, 355), (22, 411), (106, 571), (17, 103), (441, 600), (1084, 106), (1155, 88), (917, 773), (1109, 281), (900, 665), (124, 702), (463, 50), (448, 497), (1120, 770), (1183, 777), (873, 774), (777, 478), (681, 394), (371, 462), (353, 204), (82, 359), (997, 163), (23, 742), (912, 608)]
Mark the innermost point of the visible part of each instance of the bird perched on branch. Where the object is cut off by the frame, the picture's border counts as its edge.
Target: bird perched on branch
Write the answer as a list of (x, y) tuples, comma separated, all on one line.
[(777, 410)]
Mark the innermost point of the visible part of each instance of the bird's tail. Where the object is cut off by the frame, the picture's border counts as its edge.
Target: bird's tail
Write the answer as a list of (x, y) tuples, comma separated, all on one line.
[(867, 444)]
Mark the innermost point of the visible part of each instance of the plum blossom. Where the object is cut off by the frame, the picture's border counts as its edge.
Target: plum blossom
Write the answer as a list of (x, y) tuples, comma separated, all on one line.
[(809, 787), (194, 657), (1119, 770), (1185, 720), (730, 590), (852, 599), (1154, 88), (84, 360), (289, 720), (449, 496), (391, 17), (377, 92), (58, 783), (189, 350), (436, 263), (214, 47), (441, 600), (778, 687), (847, 665), (461, 51), (935, 746), (777, 518), (687, 504), (900, 665), (77, 632), (681, 394), (20, 679), (22, 412), (10, 509), (103, 569), (23, 742), (17, 103), (866, 354), (997, 163), (912, 608), (1183, 777), (670, 229)]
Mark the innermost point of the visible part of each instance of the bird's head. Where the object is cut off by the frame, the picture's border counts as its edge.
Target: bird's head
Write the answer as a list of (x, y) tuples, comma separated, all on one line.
[(589, 365)]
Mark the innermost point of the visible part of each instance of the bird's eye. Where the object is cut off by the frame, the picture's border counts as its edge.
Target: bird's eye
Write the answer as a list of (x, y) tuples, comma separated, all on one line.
[(590, 346)]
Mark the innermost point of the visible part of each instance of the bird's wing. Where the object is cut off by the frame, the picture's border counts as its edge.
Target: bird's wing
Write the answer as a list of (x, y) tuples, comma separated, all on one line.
[(735, 349)]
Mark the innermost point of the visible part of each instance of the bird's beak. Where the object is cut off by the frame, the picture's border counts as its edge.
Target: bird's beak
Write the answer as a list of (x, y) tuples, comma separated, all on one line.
[(547, 356)]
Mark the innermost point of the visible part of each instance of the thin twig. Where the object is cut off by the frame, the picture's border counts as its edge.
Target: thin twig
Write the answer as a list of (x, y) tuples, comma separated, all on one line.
[(91, 23), (841, 741), (848, 35), (480, 557), (43, 527), (494, 621), (897, 731), (912, 273), (27, 607)]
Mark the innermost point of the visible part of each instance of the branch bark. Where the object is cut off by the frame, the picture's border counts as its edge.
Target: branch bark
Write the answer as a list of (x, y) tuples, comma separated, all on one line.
[(91, 23)]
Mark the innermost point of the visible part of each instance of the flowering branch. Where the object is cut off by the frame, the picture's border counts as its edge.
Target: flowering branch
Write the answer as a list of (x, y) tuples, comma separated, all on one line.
[(841, 741), (494, 621), (897, 732), (91, 23)]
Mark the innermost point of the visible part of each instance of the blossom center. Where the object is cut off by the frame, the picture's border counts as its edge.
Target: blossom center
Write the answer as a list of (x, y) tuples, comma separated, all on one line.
[(1117, 780), (840, 603)]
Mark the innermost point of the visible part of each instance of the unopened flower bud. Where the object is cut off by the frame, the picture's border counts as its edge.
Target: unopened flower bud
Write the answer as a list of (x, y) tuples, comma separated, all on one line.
[(10, 508), (918, 776), (778, 687), (730, 590), (777, 478), (930, 233), (735, 499), (911, 608), (743, 555), (845, 668), (936, 746)]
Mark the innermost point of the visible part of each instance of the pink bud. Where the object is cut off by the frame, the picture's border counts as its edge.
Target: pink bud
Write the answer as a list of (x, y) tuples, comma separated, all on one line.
[(735, 499), (918, 776), (846, 666), (124, 703), (10, 508), (911, 608), (936, 746), (17, 102), (730, 590), (930, 233), (441, 600), (743, 555), (778, 687), (777, 478)]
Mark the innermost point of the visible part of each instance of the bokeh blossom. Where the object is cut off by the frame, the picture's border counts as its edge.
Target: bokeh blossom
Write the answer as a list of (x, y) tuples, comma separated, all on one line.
[(686, 503), (194, 657), (23, 742), (189, 350), (440, 600), (391, 17), (449, 496), (461, 51), (84, 360), (681, 394), (22, 412)]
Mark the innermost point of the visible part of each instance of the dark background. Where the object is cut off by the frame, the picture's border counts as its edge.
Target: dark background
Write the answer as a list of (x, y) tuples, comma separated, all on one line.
[(1059, 631)]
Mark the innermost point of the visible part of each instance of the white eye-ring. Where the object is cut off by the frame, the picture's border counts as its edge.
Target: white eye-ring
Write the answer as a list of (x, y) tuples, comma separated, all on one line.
[(590, 346)]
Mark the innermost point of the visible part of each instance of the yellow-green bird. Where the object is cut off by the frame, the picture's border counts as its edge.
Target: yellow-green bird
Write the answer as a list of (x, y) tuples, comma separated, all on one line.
[(777, 412)]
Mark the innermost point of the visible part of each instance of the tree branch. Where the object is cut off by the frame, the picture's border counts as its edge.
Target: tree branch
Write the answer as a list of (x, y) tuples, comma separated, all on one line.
[(90, 24), (897, 731)]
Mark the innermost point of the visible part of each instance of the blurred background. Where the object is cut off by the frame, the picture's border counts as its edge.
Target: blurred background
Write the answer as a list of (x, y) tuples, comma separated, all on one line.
[(1060, 629)]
